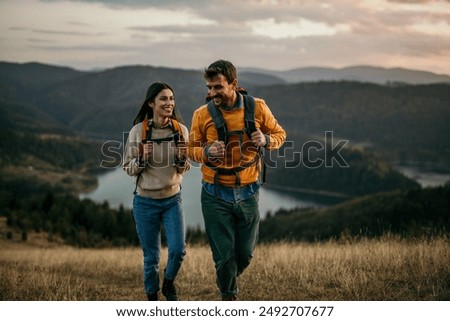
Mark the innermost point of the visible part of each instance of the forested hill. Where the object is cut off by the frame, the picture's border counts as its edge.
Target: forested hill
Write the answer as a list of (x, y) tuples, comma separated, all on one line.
[(31, 78), (410, 214), (405, 123), (401, 123), (54, 119)]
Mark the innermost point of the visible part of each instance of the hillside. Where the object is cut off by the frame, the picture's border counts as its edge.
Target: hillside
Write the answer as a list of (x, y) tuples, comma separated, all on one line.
[(409, 123), (396, 123), (104, 104), (389, 269), (402, 123), (413, 213), (32, 206), (82, 100), (343, 175), (32, 77), (33, 145)]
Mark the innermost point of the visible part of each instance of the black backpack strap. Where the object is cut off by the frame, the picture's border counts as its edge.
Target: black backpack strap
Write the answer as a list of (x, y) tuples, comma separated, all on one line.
[(219, 122), (177, 132), (249, 114), (149, 133), (250, 127), (175, 136), (146, 133)]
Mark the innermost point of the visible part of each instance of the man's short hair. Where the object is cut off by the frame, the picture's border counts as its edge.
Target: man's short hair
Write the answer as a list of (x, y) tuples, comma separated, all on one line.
[(223, 67)]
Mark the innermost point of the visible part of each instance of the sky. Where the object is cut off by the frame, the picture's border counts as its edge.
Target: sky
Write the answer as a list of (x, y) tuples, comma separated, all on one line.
[(268, 34)]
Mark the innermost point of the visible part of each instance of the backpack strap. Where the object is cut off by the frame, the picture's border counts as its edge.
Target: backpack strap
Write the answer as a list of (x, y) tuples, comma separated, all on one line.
[(177, 135), (219, 122), (144, 133), (177, 132), (250, 127), (146, 130), (249, 114)]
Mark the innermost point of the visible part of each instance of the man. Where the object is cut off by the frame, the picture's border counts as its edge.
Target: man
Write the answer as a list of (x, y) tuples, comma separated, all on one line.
[(231, 168)]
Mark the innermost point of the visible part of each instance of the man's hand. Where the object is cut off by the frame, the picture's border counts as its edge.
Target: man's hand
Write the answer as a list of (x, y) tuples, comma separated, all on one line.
[(217, 149), (258, 138)]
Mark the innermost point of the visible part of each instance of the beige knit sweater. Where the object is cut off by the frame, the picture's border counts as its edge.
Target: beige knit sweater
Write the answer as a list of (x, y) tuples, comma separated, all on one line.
[(159, 177)]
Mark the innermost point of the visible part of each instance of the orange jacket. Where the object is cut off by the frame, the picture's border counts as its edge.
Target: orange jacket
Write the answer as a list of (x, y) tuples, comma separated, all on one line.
[(204, 133)]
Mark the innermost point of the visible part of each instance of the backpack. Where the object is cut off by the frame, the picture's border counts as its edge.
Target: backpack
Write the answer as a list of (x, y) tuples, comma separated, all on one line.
[(146, 136), (223, 134), (221, 126)]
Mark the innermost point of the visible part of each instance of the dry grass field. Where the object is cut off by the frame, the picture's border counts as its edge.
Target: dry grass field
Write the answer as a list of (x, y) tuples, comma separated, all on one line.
[(350, 270)]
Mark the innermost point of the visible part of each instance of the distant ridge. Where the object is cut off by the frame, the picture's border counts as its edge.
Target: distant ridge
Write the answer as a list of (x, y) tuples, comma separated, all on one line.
[(370, 74), (407, 122), (34, 76), (397, 123)]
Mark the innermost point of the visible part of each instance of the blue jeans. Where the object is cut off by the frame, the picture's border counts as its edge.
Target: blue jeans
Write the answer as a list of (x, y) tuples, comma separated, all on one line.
[(149, 214)]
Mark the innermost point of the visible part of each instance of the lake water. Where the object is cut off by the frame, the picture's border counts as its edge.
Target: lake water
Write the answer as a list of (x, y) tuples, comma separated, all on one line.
[(425, 177), (117, 188)]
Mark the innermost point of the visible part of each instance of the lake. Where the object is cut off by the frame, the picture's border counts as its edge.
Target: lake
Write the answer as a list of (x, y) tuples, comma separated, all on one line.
[(117, 188), (425, 177)]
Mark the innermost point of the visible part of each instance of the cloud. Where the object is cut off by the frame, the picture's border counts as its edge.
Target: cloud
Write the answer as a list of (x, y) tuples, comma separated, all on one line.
[(411, 1), (139, 4), (280, 34), (300, 28), (67, 33)]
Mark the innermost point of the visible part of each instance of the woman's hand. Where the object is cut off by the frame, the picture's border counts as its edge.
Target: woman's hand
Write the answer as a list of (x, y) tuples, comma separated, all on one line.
[(147, 151), (181, 151)]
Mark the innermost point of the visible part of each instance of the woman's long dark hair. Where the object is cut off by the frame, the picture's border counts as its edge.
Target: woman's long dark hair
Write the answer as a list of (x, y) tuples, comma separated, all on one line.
[(146, 110)]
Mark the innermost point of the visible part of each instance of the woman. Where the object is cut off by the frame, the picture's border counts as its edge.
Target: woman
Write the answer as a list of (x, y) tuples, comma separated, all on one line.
[(155, 156)]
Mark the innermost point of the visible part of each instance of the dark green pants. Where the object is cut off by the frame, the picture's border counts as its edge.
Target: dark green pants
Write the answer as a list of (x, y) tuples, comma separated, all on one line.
[(232, 231)]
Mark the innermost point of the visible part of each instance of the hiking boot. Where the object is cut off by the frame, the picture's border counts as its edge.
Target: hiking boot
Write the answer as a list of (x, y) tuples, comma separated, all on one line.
[(152, 296), (169, 291)]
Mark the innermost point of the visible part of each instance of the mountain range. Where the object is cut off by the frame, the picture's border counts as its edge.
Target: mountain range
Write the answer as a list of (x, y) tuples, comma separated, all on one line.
[(53, 120), (404, 122), (369, 74)]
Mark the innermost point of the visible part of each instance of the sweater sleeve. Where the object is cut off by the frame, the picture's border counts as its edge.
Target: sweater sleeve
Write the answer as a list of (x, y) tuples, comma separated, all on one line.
[(184, 166), (131, 163), (271, 128), (197, 139)]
